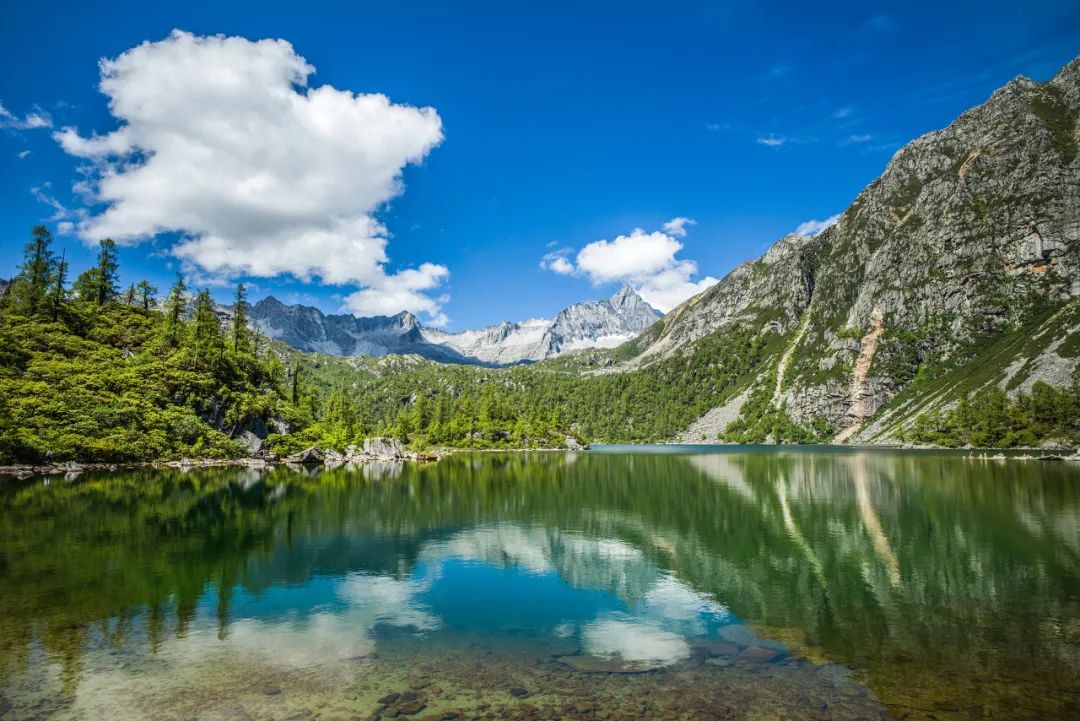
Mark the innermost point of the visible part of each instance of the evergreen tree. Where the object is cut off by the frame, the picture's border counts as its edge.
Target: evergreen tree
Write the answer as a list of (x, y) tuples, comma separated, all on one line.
[(107, 274), (59, 293), (36, 273), (207, 330), (146, 294), (174, 310), (240, 322), (129, 297)]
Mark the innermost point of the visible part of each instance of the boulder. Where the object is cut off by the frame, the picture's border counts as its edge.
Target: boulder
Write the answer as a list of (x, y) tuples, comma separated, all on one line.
[(311, 455), (574, 444), (249, 441), (383, 448)]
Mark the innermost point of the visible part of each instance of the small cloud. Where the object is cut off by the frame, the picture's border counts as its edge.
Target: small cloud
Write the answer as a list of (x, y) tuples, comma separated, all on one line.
[(842, 113), (772, 141), (677, 226), (34, 120), (881, 23), (719, 127), (857, 139), (558, 261), (646, 261), (62, 215), (812, 228), (22, 154)]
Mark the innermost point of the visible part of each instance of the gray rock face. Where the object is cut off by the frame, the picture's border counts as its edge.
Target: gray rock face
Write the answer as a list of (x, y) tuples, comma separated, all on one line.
[(971, 231), (383, 448), (309, 329), (603, 323), (599, 323)]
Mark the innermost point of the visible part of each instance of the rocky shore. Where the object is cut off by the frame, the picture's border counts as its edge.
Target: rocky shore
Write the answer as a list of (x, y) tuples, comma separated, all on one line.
[(373, 450)]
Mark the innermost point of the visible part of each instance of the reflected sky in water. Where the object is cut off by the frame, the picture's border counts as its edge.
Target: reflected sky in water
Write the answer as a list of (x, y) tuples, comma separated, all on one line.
[(949, 585)]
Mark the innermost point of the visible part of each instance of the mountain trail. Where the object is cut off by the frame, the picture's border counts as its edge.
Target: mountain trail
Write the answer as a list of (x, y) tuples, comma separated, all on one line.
[(860, 390)]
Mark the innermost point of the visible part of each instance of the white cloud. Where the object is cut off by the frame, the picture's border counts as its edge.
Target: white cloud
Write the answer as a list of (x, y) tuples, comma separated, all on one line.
[(557, 262), (22, 154), (841, 113), (858, 138), (677, 226), (222, 141), (638, 254), (403, 290), (34, 120), (815, 227), (772, 141), (644, 260)]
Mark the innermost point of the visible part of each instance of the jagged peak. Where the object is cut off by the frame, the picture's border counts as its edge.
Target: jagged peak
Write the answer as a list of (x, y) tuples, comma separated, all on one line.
[(269, 300), (626, 292)]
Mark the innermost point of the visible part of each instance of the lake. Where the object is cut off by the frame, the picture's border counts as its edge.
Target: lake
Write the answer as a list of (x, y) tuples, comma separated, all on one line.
[(693, 583)]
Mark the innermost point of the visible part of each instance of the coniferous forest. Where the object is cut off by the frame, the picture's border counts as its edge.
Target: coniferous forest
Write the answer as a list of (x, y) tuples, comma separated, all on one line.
[(93, 371)]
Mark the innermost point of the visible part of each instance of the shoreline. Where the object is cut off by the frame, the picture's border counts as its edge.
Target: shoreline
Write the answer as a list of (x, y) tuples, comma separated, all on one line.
[(335, 460)]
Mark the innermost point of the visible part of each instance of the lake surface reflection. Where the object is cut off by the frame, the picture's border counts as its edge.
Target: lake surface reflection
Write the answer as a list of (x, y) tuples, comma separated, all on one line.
[(695, 584)]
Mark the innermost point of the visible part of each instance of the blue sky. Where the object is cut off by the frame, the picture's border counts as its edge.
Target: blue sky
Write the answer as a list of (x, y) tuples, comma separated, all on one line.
[(553, 127)]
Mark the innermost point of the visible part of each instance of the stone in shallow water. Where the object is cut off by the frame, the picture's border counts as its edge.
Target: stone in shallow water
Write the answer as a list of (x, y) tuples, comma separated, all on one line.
[(720, 662), (760, 654), (737, 634), (711, 649), (598, 664), (518, 692)]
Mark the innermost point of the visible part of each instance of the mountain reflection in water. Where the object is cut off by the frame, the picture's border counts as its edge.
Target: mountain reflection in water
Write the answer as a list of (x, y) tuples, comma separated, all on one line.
[(743, 583)]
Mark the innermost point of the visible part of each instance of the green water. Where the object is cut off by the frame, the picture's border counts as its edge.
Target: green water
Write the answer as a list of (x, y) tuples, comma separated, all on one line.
[(685, 584)]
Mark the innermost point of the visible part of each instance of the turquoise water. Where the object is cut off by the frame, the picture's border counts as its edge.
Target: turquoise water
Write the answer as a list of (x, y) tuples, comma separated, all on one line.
[(671, 583)]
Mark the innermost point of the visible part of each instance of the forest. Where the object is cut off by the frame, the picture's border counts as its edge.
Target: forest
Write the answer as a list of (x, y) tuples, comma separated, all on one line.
[(93, 371)]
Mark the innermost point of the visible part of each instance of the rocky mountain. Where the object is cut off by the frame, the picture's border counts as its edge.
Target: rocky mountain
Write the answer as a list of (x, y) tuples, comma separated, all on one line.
[(958, 268), (603, 323)]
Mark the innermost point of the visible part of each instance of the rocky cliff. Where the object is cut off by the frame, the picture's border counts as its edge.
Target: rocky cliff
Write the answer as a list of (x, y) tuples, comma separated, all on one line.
[(967, 242)]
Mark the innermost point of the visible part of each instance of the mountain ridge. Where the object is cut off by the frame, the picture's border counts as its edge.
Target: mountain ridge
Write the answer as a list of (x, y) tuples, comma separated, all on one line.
[(599, 323)]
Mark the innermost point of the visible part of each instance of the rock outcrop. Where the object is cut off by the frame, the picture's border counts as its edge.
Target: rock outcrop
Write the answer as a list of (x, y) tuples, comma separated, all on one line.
[(971, 233)]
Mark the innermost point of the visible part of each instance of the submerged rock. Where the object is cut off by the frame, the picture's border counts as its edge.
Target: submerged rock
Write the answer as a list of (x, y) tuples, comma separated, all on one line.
[(585, 663)]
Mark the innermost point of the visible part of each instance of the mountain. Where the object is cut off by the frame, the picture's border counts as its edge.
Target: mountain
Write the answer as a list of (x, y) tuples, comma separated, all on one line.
[(602, 323), (956, 270), (309, 329)]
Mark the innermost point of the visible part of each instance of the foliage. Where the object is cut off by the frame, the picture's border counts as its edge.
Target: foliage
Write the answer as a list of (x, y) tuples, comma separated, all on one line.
[(990, 419), (98, 380), (761, 421)]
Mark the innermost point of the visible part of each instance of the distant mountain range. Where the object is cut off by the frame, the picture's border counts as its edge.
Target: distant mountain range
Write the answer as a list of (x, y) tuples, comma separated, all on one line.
[(600, 323)]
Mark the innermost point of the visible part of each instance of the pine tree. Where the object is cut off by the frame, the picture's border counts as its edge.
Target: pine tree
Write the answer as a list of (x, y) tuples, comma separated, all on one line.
[(240, 315), (207, 328), (129, 297), (36, 273), (146, 294), (58, 292), (174, 310), (106, 272)]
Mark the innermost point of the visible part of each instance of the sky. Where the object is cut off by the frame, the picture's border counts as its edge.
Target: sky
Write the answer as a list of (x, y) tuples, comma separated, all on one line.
[(474, 162)]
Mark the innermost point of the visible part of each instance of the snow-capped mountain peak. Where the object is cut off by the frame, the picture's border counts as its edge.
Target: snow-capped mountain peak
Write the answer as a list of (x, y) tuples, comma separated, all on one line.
[(599, 323)]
